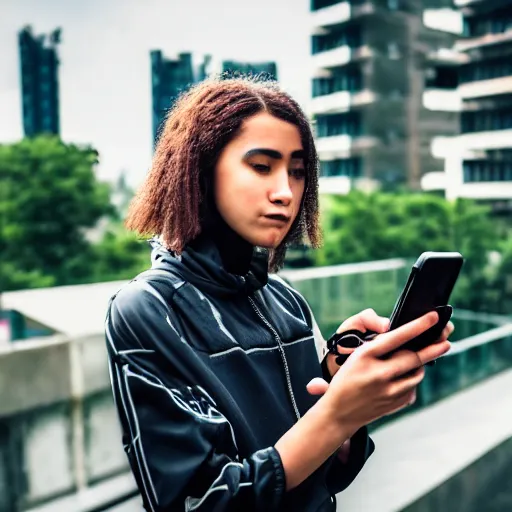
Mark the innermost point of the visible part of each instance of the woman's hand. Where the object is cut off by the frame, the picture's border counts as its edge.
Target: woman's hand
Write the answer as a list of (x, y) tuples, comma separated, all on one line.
[(372, 383), (367, 320)]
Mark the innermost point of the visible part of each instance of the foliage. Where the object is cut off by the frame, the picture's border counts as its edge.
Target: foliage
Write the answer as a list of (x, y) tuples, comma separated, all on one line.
[(365, 227), (50, 198), (60, 225)]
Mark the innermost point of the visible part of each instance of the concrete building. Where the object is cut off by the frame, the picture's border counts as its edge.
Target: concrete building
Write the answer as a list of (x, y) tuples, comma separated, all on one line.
[(39, 82), (479, 160), (170, 76), (381, 90)]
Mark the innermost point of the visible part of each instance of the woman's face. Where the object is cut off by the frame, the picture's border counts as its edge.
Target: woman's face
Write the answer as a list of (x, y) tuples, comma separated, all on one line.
[(260, 180)]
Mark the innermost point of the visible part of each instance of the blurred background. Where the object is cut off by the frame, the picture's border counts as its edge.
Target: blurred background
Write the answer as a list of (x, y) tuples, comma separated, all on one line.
[(411, 104)]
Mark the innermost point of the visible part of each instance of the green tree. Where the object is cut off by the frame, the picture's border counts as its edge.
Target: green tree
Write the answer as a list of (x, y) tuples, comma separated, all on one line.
[(364, 227), (50, 198), (119, 255), (501, 281)]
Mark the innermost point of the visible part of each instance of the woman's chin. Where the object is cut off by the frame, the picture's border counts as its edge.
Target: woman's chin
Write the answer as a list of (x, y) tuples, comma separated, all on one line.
[(272, 238), (267, 242), (268, 238)]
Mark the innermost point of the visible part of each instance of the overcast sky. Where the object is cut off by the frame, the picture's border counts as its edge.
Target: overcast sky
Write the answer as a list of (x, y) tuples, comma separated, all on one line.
[(105, 71)]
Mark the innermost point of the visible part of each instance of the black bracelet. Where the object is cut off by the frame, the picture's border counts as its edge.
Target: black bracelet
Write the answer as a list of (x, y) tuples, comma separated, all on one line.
[(347, 339)]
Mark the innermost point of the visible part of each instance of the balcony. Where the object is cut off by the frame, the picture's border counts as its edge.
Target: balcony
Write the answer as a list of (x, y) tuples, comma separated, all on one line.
[(498, 139), (442, 100), (336, 146), (341, 101), (445, 20), (486, 190), (443, 147), (338, 185), (485, 40), (339, 57), (330, 16), (470, 145), (483, 88), (341, 146)]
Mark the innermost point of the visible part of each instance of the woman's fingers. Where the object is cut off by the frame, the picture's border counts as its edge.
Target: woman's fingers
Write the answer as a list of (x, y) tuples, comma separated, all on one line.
[(447, 331), (392, 340), (367, 320), (434, 351), (402, 363), (317, 386), (402, 386)]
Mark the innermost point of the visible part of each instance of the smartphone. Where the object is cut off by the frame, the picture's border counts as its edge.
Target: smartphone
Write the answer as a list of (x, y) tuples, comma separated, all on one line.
[(428, 288)]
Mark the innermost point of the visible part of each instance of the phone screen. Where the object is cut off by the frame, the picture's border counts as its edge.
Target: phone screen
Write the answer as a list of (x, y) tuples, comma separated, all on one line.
[(430, 285)]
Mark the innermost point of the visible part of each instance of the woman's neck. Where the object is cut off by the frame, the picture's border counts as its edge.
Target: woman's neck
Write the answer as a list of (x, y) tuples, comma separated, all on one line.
[(235, 252)]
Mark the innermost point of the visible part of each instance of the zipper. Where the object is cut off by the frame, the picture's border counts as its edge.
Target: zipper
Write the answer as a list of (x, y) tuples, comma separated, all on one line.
[(283, 355)]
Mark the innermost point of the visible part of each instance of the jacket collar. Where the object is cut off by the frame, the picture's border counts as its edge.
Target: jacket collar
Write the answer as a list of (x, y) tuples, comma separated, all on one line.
[(217, 262)]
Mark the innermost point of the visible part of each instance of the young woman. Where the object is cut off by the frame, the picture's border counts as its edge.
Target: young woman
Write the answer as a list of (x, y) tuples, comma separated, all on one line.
[(213, 361)]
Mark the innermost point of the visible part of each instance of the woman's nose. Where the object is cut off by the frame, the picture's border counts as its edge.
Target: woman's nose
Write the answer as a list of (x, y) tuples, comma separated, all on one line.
[(281, 191)]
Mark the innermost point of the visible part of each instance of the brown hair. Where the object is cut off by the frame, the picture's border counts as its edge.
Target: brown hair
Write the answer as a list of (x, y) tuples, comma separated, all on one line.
[(175, 199)]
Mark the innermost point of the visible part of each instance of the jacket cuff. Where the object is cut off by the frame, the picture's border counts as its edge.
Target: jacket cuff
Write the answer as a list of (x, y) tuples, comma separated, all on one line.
[(280, 478), (341, 475), (361, 447)]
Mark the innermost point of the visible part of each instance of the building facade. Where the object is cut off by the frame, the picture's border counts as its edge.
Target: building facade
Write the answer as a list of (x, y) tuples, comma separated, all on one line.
[(172, 76), (169, 78), (39, 82), (479, 160), (380, 91)]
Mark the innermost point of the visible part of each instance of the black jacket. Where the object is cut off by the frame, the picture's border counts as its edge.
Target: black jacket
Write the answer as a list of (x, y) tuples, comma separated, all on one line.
[(209, 369)]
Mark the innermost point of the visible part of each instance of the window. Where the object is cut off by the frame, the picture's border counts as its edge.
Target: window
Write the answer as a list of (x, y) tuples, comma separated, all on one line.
[(487, 170), (350, 167), (339, 124), (393, 5), (346, 36), (486, 70), (496, 22), (393, 51), (486, 120), (347, 78)]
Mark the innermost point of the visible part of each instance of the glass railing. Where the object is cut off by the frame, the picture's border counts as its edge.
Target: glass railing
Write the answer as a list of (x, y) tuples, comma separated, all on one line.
[(482, 343), (337, 292)]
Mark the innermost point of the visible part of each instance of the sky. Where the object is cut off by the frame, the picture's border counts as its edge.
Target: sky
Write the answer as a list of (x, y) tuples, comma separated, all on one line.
[(105, 96)]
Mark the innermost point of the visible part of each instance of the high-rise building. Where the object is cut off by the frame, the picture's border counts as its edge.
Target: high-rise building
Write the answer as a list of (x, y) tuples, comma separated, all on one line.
[(479, 160), (39, 82), (169, 78), (380, 86), (172, 76)]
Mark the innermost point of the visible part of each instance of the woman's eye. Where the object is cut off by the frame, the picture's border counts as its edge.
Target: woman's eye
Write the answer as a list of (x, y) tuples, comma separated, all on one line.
[(261, 167), (298, 173)]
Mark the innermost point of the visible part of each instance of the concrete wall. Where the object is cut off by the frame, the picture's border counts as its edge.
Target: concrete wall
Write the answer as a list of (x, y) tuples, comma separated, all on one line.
[(59, 432), (484, 485), (61, 449)]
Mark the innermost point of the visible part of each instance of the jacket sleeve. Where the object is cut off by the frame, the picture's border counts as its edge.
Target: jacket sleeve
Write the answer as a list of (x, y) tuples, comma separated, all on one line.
[(181, 447), (341, 475)]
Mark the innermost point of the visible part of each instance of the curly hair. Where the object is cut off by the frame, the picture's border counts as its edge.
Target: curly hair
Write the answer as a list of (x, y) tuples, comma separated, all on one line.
[(175, 200)]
